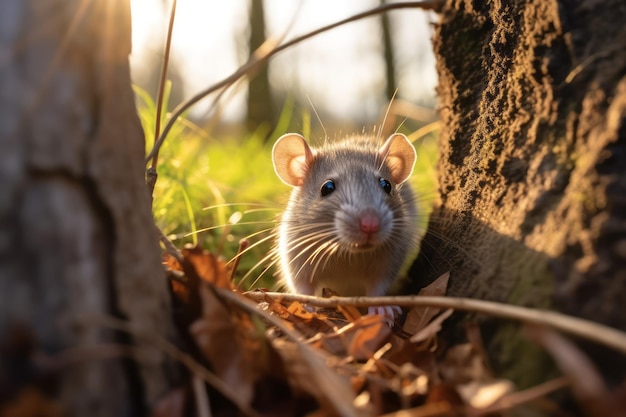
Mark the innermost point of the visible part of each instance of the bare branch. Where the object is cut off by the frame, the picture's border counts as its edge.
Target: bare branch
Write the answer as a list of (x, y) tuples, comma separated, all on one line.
[(572, 325), (260, 57)]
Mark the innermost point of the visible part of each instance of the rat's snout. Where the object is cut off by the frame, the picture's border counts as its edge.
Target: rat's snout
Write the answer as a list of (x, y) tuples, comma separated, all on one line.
[(369, 223)]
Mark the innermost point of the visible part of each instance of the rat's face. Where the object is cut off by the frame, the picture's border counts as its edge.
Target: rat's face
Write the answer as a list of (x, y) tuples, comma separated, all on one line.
[(353, 197)]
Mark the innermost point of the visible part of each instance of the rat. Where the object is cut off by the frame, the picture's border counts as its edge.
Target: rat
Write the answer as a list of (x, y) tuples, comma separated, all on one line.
[(351, 219)]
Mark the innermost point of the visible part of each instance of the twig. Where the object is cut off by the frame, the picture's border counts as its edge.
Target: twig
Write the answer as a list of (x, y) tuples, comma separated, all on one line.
[(515, 399), (572, 325), (169, 246), (152, 175), (260, 57), (337, 391), (243, 245), (202, 401)]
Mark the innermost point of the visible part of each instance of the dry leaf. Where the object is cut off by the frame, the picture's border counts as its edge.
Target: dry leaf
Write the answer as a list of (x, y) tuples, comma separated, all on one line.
[(483, 394), (222, 340), (302, 319), (208, 266), (369, 334), (463, 364), (171, 263), (296, 368), (438, 287), (179, 289), (171, 405), (351, 313), (444, 393), (418, 317), (309, 372), (432, 328)]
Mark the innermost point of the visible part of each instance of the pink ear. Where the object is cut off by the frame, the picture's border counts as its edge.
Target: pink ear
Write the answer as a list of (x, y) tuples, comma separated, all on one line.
[(399, 155), (292, 156)]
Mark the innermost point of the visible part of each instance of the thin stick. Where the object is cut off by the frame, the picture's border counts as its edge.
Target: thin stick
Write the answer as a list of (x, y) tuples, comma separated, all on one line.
[(575, 326), (336, 389), (243, 245), (152, 171), (169, 246), (163, 78), (260, 58), (200, 395)]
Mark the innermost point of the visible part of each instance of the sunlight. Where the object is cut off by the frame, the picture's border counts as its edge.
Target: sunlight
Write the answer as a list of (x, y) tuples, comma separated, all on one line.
[(342, 71)]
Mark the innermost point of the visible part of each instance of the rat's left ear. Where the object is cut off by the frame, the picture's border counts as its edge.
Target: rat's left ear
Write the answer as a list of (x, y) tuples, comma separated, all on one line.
[(400, 156)]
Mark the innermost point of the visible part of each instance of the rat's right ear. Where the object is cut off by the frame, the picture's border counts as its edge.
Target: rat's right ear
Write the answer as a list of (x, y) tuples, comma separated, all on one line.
[(292, 156)]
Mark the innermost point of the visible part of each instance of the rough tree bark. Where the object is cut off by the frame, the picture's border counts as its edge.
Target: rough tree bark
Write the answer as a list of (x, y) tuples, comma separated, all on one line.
[(76, 231), (533, 161)]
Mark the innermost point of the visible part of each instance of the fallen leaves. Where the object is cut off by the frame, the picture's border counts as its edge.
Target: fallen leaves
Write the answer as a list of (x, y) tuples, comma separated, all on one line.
[(285, 358)]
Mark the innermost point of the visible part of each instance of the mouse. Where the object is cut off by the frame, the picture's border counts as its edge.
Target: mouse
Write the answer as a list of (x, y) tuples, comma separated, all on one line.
[(351, 217)]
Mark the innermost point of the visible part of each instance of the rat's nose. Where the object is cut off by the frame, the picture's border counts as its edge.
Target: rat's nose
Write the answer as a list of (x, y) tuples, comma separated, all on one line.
[(369, 223)]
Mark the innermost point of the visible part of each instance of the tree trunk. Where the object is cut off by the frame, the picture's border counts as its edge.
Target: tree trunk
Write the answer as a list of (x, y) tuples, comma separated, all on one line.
[(260, 102), (390, 67), (76, 231), (532, 168)]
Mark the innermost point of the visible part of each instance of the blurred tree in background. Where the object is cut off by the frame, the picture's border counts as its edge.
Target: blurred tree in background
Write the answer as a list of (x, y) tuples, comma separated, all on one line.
[(260, 105)]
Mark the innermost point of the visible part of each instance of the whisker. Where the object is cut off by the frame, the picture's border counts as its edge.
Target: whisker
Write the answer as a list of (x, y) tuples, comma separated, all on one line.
[(380, 129), (216, 206), (319, 119), (254, 267), (252, 246), (221, 226)]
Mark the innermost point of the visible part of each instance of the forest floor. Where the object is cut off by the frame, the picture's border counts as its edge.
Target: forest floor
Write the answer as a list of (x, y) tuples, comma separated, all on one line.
[(265, 353)]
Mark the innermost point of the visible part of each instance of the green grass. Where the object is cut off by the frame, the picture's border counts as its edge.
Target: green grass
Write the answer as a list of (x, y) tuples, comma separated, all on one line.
[(217, 191)]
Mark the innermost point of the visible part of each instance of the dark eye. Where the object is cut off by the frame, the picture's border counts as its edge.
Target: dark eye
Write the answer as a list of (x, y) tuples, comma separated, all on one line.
[(327, 188), (385, 185)]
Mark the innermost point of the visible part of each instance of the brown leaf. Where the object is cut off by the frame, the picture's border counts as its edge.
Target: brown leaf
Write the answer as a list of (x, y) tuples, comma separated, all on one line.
[(432, 328), (309, 372), (224, 342), (208, 266), (438, 287), (171, 405), (418, 356), (444, 393), (482, 394), (418, 317), (463, 364), (296, 314), (351, 313), (365, 336), (297, 309), (171, 263), (179, 289)]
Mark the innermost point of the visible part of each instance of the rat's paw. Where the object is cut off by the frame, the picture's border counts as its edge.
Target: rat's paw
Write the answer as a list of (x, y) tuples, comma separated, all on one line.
[(389, 313)]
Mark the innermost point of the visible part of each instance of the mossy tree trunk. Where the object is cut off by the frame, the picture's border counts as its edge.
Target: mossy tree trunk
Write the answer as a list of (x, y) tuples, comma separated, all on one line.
[(76, 233), (533, 161)]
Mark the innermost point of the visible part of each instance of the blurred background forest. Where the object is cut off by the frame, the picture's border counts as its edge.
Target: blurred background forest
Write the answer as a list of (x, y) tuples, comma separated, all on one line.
[(212, 189)]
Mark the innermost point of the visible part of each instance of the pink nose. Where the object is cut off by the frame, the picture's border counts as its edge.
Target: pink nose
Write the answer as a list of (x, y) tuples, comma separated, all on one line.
[(369, 223)]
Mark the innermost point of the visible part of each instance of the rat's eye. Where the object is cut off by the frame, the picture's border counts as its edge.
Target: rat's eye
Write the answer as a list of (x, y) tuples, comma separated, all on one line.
[(328, 187), (385, 185)]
